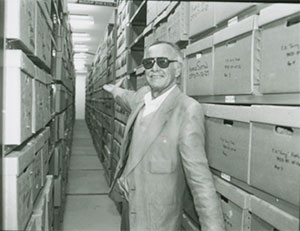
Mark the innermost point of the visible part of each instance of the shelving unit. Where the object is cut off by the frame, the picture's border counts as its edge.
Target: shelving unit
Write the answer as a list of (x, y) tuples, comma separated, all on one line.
[(38, 90)]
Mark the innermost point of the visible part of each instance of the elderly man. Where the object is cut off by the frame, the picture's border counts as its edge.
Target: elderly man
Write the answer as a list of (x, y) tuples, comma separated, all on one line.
[(163, 150)]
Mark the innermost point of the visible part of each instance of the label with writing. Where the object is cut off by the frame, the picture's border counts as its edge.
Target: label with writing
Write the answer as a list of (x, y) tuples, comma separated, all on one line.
[(198, 69), (225, 177), (228, 146), (285, 159), (197, 9), (229, 99), (291, 52)]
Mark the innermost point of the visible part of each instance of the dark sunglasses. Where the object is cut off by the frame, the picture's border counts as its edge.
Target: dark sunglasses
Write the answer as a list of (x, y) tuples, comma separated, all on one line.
[(162, 62)]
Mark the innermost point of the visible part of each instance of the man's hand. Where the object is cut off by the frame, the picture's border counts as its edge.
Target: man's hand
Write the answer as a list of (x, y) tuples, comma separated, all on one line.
[(110, 87)]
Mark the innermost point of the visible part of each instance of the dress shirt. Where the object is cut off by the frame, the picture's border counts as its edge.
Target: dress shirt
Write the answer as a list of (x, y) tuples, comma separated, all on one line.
[(151, 105)]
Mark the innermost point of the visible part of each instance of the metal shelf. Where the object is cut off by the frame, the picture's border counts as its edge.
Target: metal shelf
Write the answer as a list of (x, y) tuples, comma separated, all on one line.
[(274, 99)]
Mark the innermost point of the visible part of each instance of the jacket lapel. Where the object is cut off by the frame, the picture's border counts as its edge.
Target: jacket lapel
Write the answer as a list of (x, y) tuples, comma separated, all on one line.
[(156, 125)]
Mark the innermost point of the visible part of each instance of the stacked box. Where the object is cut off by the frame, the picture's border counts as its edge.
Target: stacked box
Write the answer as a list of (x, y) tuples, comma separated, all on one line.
[(39, 213), (119, 131), (200, 74), (236, 58), (226, 10), (161, 32), (201, 17), (17, 181), (18, 75), (20, 22), (45, 153), (228, 139), (42, 37), (267, 217), (49, 193), (275, 151), (235, 205), (178, 23), (280, 75)]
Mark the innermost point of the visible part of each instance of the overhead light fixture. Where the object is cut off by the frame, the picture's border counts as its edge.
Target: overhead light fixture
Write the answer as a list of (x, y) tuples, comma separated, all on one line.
[(81, 37), (81, 21), (80, 48), (80, 55)]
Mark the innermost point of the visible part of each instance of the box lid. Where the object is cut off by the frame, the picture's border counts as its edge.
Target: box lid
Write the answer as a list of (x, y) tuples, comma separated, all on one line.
[(279, 115), (200, 45), (237, 113), (276, 12), (17, 161), (236, 29), (233, 193), (17, 59), (273, 215), (48, 187)]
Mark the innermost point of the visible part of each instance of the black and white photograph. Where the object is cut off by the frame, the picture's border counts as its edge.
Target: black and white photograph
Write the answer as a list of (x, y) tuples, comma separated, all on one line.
[(149, 115)]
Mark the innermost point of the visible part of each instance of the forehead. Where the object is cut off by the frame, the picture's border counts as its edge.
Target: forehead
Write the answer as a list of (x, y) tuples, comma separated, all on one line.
[(160, 50)]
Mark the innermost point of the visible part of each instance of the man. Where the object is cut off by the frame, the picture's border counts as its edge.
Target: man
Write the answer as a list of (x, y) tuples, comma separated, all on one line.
[(162, 150)]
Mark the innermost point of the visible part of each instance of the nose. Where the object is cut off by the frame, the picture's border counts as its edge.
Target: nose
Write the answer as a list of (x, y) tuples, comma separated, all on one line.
[(155, 67)]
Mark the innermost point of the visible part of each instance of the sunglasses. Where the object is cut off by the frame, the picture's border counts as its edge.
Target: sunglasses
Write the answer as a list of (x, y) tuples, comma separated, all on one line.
[(162, 62)]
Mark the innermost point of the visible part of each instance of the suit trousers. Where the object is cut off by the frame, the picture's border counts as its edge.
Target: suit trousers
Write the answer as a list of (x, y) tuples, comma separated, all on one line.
[(125, 216)]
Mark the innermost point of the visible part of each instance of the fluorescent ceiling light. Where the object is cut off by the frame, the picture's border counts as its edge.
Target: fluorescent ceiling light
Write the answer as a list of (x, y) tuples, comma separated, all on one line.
[(81, 21), (80, 48), (81, 37), (80, 55)]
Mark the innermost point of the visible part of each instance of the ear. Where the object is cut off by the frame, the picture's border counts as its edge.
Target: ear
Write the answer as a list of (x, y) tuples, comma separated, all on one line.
[(178, 69)]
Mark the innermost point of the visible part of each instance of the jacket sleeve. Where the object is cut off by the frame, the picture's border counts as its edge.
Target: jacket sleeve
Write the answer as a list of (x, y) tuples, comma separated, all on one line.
[(198, 175), (128, 99)]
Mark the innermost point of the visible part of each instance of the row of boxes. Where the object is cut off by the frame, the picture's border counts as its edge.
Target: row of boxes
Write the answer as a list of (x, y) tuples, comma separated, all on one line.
[(154, 9), (256, 144), (243, 211), (24, 175), (42, 216), (236, 60)]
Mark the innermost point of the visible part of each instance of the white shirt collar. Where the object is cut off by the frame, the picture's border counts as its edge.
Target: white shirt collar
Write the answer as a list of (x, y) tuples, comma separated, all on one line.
[(152, 105)]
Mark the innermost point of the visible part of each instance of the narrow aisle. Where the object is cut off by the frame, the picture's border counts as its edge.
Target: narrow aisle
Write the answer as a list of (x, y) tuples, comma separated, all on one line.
[(88, 208)]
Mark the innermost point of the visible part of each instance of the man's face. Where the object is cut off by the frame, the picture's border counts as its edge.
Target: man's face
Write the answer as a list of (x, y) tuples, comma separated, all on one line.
[(161, 79)]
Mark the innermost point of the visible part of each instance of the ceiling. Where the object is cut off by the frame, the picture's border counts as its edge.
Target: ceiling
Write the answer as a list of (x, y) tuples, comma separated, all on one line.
[(102, 15)]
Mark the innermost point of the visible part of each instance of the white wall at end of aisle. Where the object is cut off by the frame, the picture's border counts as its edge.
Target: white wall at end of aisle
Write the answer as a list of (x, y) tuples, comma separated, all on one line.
[(80, 97)]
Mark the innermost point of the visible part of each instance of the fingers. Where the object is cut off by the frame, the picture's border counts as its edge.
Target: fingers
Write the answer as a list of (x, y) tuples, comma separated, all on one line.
[(108, 87)]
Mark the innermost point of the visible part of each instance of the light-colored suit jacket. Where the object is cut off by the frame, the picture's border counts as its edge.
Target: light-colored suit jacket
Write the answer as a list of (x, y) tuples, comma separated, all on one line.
[(171, 156)]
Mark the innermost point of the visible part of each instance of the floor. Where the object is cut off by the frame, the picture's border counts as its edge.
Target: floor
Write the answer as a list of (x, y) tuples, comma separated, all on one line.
[(88, 208)]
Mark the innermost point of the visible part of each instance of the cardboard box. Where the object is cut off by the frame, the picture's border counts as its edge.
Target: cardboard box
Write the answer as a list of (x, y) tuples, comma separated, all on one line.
[(201, 17), (49, 197), (42, 37), (235, 58), (200, 75), (17, 181), (178, 23), (58, 160), (39, 213), (275, 146), (116, 150), (280, 75), (37, 175), (235, 204), (227, 10), (119, 131), (228, 139), (58, 190), (20, 22), (271, 216), (161, 32), (18, 75), (151, 11)]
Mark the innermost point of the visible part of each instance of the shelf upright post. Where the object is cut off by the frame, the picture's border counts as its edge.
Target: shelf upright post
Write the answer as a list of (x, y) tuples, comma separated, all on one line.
[(2, 42)]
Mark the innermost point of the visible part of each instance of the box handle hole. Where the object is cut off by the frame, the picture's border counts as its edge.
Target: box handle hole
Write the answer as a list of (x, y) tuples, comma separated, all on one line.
[(231, 43), (293, 21), (228, 122), (224, 199), (284, 130)]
